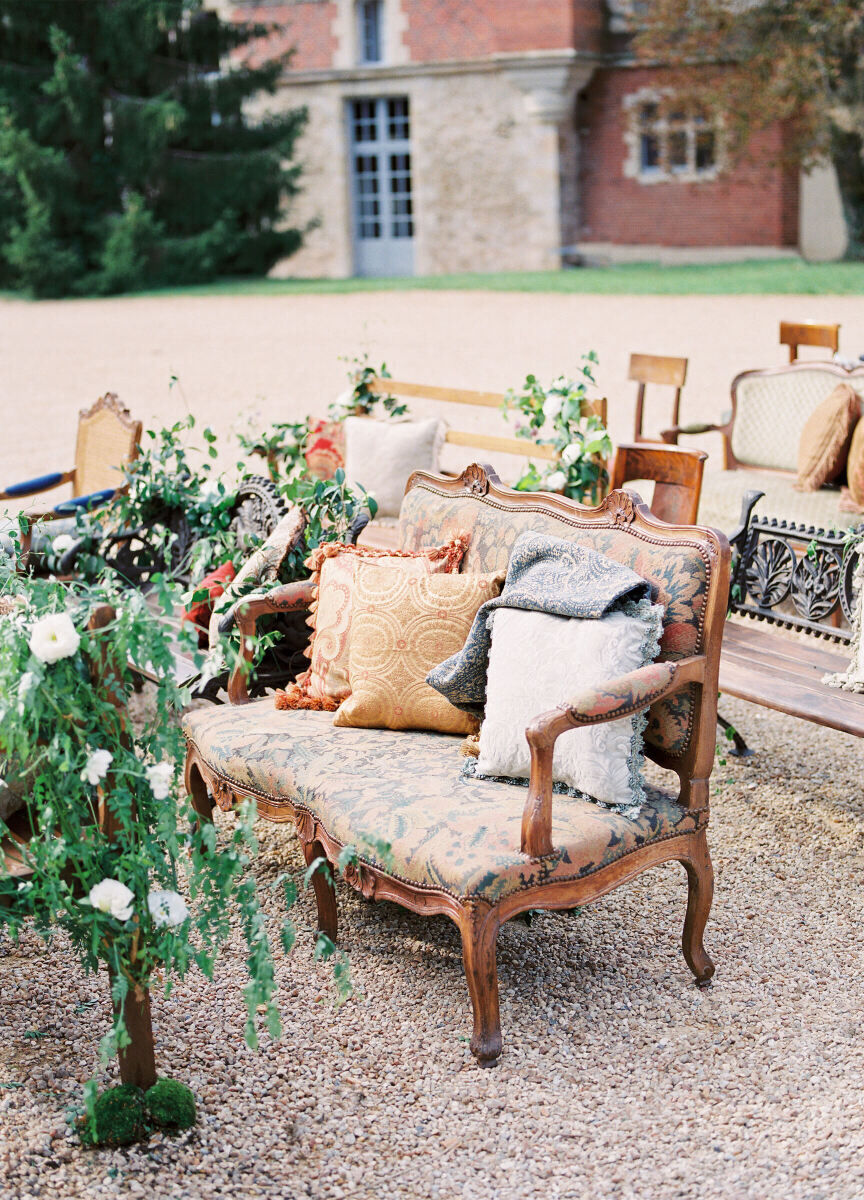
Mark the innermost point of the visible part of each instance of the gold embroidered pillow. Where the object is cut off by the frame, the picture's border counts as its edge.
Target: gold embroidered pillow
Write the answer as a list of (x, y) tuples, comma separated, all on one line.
[(403, 626), (825, 438), (325, 684)]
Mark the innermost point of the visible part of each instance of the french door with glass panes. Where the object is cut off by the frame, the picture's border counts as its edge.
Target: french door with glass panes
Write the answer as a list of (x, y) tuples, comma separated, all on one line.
[(383, 210)]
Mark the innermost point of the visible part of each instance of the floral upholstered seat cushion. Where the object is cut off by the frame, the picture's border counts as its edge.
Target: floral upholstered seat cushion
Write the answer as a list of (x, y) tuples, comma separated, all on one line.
[(446, 832)]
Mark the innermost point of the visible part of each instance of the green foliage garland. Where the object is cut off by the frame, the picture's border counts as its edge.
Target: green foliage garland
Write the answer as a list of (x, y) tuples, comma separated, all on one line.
[(57, 732), (555, 417)]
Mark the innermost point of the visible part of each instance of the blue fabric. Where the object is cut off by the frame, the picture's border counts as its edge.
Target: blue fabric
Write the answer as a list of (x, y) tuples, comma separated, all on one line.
[(89, 501), (545, 574), (31, 486)]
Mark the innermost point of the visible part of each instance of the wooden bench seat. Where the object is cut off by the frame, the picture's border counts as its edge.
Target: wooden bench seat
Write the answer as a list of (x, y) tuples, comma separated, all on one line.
[(770, 668)]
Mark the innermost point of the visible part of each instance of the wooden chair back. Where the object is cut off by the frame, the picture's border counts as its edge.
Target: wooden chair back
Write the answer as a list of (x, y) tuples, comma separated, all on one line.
[(808, 333), (107, 441), (676, 473), (497, 443), (655, 369)]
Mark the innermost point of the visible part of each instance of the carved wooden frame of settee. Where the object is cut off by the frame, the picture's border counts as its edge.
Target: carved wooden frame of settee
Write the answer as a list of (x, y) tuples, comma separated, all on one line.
[(479, 920)]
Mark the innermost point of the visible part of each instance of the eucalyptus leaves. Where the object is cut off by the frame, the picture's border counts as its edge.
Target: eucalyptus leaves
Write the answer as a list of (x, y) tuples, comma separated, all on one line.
[(557, 417)]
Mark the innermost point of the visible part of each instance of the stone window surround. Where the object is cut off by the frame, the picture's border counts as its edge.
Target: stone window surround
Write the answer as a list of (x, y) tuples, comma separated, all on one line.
[(632, 140)]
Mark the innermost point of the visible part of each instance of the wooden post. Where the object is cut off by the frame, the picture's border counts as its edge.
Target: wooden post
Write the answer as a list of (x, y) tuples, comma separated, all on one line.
[(138, 1059)]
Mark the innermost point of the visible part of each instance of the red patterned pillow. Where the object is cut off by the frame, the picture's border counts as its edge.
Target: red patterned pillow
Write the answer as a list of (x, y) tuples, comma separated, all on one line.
[(215, 583), (325, 448)]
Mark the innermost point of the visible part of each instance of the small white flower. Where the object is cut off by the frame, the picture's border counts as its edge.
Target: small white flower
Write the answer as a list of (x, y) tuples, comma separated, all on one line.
[(54, 637), (552, 406), (62, 543), (113, 897), (345, 400), (571, 453), (96, 767), (160, 777), (167, 908), (556, 481), (28, 683)]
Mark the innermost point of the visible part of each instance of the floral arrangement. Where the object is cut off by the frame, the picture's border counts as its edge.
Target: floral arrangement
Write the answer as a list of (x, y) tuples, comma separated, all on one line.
[(114, 854), (360, 399), (556, 417)]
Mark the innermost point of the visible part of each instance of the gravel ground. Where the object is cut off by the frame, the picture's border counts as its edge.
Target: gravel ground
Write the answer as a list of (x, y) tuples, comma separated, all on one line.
[(280, 355), (619, 1077)]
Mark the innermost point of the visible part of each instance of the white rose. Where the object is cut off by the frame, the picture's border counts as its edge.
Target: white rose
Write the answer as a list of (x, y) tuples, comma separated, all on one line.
[(556, 482), (54, 637), (113, 897), (160, 777), (96, 767), (167, 908), (62, 543), (570, 453), (552, 406)]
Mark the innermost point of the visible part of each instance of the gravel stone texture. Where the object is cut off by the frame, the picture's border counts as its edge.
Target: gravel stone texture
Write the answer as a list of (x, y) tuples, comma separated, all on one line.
[(619, 1077)]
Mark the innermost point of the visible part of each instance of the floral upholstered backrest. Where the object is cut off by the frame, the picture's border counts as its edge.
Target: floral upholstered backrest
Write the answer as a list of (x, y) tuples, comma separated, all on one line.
[(679, 570), (772, 407)]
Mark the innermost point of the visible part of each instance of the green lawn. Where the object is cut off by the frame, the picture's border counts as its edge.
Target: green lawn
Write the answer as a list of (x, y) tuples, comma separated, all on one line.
[(779, 276), (785, 276)]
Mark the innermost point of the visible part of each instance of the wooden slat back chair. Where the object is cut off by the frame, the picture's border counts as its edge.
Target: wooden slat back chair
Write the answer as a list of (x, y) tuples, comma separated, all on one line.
[(675, 472), (655, 369), (808, 333), (497, 443)]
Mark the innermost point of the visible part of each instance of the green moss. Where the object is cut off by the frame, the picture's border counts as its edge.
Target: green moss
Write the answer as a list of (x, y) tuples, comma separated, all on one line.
[(170, 1104), (118, 1118)]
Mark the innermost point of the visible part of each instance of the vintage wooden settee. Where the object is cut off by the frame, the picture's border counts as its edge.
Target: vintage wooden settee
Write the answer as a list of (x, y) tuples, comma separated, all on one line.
[(482, 852), (760, 446)]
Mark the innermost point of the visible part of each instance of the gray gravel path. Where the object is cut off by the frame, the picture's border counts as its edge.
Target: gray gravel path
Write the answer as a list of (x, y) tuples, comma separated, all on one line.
[(619, 1078)]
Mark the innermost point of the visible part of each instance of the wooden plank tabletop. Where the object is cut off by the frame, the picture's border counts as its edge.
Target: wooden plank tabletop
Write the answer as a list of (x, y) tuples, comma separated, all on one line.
[(767, 668)]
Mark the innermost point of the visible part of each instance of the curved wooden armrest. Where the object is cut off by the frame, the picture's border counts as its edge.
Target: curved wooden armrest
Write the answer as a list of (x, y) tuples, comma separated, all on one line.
[(724, 426), (245, 613), (610, 702), (31, 487)]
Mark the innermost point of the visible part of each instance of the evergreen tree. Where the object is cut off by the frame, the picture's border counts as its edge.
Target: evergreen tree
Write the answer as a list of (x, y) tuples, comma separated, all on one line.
[(127, 154)]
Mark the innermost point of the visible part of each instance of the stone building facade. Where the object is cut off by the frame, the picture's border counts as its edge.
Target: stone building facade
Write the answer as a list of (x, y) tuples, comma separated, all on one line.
[(486, 135)]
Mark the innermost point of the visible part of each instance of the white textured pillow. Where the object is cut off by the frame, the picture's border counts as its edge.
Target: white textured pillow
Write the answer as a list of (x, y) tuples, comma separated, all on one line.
[(538, 661), (381, 455)]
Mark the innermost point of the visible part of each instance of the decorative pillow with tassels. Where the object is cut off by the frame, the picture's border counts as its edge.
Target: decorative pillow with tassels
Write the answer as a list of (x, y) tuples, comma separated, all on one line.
[(325, 685)]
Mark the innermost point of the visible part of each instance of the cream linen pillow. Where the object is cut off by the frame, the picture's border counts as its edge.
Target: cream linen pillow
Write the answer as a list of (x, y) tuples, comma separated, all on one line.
[(380, 455), (538, 661)]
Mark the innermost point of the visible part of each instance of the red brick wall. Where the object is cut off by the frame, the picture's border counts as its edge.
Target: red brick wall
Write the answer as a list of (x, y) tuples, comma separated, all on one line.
[(307, 28), (450, 29), (752, 203)]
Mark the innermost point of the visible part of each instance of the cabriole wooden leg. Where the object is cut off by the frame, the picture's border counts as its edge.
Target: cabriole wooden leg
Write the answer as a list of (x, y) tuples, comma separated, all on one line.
[(479, 928), (196, 788), (700, 879), (325, 892)]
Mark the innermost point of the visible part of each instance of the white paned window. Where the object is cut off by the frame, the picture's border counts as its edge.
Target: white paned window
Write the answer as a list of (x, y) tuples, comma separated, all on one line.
[(370, 31), (669, 140)]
